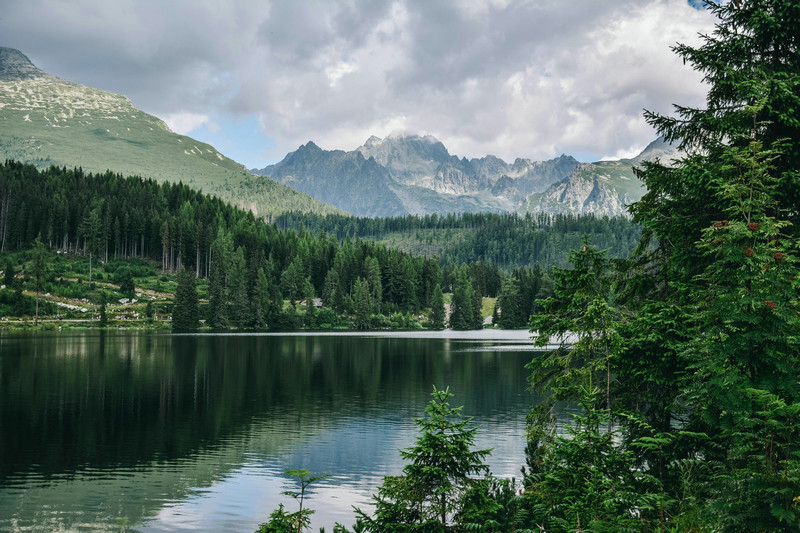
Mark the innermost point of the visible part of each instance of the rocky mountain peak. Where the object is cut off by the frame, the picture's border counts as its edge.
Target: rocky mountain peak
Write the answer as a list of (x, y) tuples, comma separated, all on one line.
[(658, 149), (14, 65), (373, 141)]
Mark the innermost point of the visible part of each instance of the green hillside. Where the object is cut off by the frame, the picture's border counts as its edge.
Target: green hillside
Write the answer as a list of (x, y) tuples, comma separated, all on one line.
[(45, 120)]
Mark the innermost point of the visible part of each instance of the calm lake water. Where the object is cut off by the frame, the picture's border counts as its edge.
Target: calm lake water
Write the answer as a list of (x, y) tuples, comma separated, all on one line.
[(194, 432)]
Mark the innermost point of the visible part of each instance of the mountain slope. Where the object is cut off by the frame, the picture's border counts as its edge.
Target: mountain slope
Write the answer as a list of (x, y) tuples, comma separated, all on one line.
[(45, 120), (602, 188)]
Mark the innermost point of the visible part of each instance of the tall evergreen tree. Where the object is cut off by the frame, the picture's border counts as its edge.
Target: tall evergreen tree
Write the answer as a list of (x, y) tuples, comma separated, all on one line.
[(8, 274), (262, 301), (40, 266), (92, 230), (462, 315), (437, 308), (708, 369), (185, 314), (362, 303)]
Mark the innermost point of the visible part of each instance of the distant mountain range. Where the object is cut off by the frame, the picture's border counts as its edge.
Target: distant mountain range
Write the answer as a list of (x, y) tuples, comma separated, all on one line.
[(45, 120), (410, 174)]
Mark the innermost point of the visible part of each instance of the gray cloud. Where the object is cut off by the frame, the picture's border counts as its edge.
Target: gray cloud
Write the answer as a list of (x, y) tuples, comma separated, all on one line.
[(524, 78)]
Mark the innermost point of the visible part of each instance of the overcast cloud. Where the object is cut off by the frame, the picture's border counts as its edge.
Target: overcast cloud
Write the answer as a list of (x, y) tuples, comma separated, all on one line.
[(257, 79)]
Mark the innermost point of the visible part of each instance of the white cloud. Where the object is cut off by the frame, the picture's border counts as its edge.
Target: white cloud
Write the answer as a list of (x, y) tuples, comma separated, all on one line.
[(184, 122), (516, 79), (338, 70)]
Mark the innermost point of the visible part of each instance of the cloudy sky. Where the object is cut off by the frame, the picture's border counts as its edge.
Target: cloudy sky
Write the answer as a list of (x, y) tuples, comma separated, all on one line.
[(256, 78)]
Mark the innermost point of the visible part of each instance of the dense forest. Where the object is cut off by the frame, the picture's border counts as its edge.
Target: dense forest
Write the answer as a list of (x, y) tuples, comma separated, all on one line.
[(681, 362), (250, 268), (507, 240)]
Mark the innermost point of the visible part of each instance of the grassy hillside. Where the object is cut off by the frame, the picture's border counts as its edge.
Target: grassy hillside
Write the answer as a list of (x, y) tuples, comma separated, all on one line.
[(45, 120)]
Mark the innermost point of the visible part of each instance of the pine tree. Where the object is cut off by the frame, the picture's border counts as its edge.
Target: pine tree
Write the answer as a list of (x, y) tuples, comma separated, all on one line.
[(237, 290), (40, 266), (185, 314), (362, 303), (92, 230), (462, 316), (8, 274), (294, 281), (217, 293), (437, 308), (262, 303), (103, 310)]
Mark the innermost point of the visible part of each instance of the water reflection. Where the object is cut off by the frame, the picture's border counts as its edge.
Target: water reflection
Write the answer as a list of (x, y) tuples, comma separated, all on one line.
[(193, 431)]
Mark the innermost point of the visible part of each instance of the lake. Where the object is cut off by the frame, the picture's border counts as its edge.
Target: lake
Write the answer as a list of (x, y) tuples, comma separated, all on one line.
[(194, 432)]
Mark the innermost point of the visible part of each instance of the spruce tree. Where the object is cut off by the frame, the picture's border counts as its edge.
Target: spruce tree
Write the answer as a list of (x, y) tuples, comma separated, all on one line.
[(185, 314), (463, 313), (103, 310), (40, 266), (8, 274), (437, 308), (362, 303)]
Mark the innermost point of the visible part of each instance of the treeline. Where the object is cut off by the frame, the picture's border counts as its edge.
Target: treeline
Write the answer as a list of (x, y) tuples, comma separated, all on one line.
[(251, 266), (506, 240)]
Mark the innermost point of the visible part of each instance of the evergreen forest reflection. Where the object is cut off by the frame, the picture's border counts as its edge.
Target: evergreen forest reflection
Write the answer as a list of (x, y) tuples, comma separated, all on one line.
[(98, 430)]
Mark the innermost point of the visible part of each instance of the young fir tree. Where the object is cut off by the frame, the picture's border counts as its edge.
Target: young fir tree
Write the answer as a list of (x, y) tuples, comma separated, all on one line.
[(185, 314), (437, 482), (281, 521), (126, 285)]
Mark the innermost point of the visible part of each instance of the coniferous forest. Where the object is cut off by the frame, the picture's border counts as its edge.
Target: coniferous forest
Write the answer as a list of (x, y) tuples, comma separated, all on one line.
[(254, 276), (507, 240)]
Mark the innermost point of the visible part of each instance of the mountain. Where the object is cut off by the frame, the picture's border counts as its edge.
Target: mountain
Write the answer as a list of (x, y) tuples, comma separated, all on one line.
[(411, 174), (344, 179), (46, 120)]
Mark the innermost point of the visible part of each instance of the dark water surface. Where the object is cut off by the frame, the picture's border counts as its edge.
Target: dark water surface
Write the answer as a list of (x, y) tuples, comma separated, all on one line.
[(193, 432)]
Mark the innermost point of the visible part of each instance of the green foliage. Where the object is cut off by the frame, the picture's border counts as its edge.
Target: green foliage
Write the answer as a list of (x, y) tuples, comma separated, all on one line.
[(581, 320), (40, 267), (696, 332), (8, 274), (466, 307), (103, 310), (437, 308), (363, 304), (185, 315), (436, 486), (586, 480), (282, 522), (507, 240), (124, 278)]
